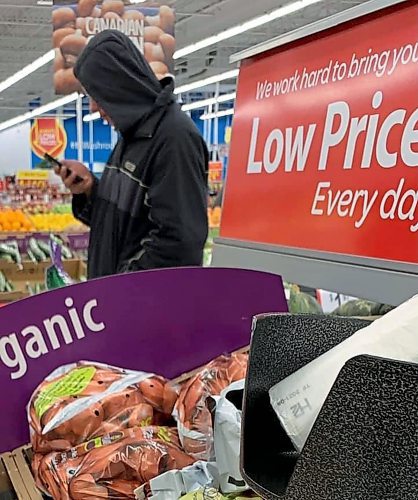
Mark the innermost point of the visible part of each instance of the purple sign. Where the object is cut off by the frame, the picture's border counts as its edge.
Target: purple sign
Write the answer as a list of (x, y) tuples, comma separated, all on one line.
[(166, 322), (76, 241)]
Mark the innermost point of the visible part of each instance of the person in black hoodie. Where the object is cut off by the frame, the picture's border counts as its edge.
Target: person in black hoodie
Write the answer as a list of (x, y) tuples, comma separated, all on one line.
[(149, 210)]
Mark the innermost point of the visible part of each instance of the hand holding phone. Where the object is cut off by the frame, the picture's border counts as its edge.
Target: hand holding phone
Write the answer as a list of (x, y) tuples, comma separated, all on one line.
[(76, 177), (56, 164)]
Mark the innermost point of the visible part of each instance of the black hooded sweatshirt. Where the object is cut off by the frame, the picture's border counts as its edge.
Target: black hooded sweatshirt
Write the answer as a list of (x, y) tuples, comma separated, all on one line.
[(149, 210)]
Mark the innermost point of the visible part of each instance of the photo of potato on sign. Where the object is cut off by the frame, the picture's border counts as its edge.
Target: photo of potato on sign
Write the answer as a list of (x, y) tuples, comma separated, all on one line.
[(151, 29)]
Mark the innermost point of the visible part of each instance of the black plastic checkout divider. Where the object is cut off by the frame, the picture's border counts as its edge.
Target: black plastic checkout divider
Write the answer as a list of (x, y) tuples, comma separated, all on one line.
[(364, 445)]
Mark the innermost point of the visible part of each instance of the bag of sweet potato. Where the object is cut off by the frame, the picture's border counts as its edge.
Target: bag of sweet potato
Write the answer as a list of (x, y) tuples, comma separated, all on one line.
[(112, 467), (80, 402)]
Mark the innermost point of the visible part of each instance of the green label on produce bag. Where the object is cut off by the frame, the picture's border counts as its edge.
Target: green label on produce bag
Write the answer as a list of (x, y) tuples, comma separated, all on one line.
[(72, 384)]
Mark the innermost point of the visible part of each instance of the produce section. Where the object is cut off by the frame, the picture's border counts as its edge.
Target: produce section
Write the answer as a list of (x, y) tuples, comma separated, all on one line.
[(127, 428), (275, 368), (31, 210)]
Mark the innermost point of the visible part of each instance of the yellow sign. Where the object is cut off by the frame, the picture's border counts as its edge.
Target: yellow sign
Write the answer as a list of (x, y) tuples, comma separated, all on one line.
[(32, 175), (228, 134)]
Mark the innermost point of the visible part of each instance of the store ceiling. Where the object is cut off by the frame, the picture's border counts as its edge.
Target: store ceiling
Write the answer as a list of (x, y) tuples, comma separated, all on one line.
[(25, 34)]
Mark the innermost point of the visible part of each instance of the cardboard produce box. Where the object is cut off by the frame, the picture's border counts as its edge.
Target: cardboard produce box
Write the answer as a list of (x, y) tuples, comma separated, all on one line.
[(34, 273)]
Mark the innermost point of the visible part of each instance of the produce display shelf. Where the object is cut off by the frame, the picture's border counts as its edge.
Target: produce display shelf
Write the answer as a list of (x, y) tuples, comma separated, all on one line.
[(32, 272), (16, 478), (76, 241)]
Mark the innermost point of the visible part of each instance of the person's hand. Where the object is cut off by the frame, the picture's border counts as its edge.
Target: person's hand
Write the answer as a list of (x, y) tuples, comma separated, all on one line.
[(77, 169)]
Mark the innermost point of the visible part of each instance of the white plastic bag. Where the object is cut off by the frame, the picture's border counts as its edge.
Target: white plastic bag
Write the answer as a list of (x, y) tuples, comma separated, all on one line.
[(298, 399), (173, 484), (227, 441), (224, 475)]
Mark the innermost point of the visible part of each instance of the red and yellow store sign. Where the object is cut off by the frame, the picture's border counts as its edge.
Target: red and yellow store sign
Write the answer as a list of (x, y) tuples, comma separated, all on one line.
[(215, 171), (48, 136)]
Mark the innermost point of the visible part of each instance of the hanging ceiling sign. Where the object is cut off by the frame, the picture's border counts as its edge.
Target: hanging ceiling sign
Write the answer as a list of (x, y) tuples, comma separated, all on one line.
[(151, 29)]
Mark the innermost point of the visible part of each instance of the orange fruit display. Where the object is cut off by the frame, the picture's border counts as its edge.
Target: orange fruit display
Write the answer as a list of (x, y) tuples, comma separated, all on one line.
[(14, 221)]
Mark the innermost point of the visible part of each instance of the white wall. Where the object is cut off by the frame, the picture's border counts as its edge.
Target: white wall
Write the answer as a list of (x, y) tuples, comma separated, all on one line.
[(15, 152)]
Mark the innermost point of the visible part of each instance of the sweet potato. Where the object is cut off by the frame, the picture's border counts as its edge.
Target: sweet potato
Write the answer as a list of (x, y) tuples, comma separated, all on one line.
[(134, 15), (59, 61), (112, 470), (59, 34), (116, 6), (192, 414), (85, 7), (65, 82), (152, 34), (71, 47), (167, 18), (85, 487), (168, 44), (63, 17), (145, 400)]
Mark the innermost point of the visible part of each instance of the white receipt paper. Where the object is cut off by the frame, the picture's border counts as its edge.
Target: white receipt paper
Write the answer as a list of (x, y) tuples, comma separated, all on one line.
[(298, 399)]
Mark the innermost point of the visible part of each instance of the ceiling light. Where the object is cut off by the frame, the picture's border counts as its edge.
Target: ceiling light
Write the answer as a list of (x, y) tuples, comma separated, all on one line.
[(285, 10), (208, 102), (207, 81), (219, 114), (92, 117), (39, 111), (27, 70)]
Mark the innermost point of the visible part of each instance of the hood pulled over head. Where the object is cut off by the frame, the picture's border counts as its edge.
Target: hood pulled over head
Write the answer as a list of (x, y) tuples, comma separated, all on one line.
[(116, 75)]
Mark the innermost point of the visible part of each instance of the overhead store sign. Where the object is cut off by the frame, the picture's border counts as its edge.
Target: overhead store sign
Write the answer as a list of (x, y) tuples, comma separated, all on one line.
[(151, 29), (48, 136), (325, 142)]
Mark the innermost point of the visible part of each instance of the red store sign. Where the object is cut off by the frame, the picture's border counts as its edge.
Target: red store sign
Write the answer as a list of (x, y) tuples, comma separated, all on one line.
[(324, 151)]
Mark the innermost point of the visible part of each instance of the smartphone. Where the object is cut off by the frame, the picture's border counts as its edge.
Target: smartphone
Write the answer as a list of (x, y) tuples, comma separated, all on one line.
[(53, 162)]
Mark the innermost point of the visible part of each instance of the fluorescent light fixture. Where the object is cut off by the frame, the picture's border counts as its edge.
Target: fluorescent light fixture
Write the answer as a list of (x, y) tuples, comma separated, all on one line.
[(219, 114), (229, 75), (207, 102), (27, 70), (39, 111), (91, 117), (256, 22)]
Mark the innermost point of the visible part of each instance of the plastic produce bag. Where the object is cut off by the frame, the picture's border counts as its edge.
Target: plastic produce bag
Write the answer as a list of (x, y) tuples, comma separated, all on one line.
[(112, 467), (298, 399), (191, 412), (172, 485), (9, 251), (55, 276), (227, 439), (213, 494), (302, 303), (82, 401)]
